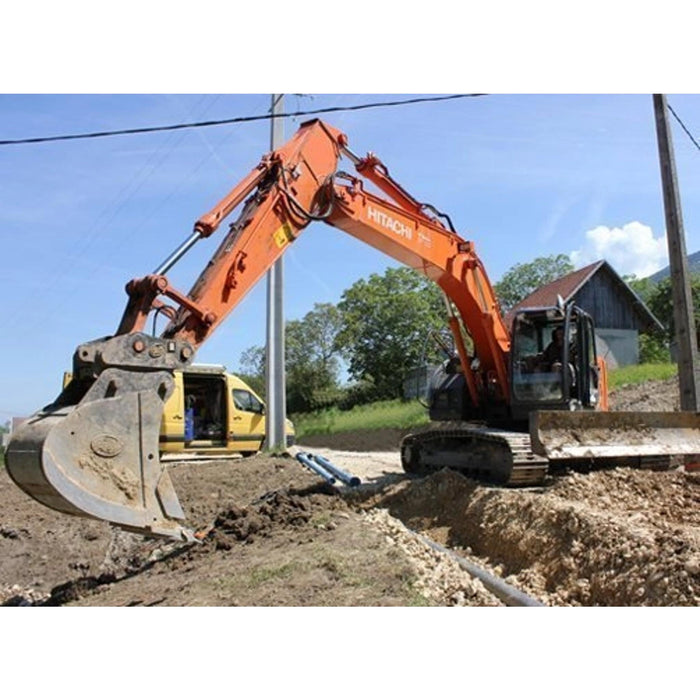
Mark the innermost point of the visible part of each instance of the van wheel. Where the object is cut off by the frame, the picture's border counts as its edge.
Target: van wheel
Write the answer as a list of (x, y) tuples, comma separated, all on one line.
[(248, 454)]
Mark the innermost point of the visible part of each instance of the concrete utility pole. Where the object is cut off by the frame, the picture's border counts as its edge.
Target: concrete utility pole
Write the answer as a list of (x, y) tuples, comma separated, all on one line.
[(683, 316), (275, 380)]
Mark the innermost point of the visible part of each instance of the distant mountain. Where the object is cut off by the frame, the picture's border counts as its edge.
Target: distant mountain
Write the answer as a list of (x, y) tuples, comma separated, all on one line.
[(693, 269)]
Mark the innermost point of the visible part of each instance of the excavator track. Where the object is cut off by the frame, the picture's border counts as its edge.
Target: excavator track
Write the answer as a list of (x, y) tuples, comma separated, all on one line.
[(487, 454)]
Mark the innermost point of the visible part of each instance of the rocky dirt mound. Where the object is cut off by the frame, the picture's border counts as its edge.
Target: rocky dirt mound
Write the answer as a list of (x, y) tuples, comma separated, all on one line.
[(657, 395), (275, 510), (622, 537)]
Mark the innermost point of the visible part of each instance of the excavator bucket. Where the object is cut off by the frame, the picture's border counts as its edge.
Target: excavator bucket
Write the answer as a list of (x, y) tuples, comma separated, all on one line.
[(614, 437), (100, 458)]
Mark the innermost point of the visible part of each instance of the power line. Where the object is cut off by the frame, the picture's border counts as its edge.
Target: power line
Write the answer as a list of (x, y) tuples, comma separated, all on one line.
[(683, 126), (107, 215), (233, 120)]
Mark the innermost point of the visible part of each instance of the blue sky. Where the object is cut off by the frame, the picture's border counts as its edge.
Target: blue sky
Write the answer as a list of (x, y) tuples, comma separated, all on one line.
[(521, 175)]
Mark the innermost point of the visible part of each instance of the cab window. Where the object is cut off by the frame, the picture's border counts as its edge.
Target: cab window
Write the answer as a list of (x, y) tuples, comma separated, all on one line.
[(535, 376), (245, 401)]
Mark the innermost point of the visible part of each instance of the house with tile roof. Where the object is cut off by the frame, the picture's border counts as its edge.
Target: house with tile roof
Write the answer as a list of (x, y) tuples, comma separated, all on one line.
[(618, 313)]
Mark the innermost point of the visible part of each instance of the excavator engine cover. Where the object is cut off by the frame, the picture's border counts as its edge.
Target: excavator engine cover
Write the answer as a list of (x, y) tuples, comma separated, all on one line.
[(609, 436), (100, 457)]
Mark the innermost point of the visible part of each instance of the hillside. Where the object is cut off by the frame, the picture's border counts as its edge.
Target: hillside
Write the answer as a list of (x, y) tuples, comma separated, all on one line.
[(693, 268)]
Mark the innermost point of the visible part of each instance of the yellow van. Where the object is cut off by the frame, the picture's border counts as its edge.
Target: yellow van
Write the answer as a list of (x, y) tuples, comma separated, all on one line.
[(214, 411)]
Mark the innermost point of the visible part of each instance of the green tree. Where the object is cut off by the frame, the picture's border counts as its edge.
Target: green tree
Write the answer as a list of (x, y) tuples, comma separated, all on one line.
[(524, 278), (312, 363), (643, 287), (385, 322), (654, 346), (252, 369), (660, 303)]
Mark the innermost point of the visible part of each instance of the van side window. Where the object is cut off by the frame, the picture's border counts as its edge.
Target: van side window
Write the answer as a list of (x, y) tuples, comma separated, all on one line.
[(245, 401)]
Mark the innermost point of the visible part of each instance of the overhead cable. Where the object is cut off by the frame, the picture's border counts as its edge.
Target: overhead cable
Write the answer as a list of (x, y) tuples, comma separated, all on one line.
[(232, 120), (683, 126)]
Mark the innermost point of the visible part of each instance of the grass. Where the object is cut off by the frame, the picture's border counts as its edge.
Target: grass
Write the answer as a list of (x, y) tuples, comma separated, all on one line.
[(374, 416), (636, 374), (260, 575), (410, 414)]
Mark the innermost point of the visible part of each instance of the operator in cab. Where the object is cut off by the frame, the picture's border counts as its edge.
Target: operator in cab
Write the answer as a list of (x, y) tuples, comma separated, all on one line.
[(554, 353)]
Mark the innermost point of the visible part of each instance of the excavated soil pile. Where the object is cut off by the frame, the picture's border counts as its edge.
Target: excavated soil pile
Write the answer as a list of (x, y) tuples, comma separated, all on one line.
[(657, 395), (274, 534), (619, 537)]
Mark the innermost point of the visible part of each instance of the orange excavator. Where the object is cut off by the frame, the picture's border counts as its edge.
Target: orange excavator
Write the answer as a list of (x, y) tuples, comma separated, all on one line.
[(94, 451)]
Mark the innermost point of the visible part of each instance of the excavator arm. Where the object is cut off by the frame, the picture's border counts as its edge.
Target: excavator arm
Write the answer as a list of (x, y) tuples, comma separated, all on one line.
[(300, 184), (279, 199), (437, 252)]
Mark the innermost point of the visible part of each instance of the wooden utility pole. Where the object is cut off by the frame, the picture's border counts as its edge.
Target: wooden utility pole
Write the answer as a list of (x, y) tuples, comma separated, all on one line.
[(683, 316), (275, 379)]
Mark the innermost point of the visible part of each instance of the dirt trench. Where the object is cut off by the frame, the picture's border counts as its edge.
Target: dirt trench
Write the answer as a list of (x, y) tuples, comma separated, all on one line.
[(621, 537)]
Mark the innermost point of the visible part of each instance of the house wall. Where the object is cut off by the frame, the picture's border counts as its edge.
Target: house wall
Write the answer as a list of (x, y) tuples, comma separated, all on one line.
[(617, 346), (604, 299)]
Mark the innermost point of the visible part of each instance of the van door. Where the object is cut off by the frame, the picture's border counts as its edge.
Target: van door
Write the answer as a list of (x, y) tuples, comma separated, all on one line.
[(172, 427), (206, 406), (247, 425)]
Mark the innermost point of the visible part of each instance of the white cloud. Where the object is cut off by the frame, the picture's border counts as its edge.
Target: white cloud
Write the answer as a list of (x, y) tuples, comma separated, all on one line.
[(630, 249)]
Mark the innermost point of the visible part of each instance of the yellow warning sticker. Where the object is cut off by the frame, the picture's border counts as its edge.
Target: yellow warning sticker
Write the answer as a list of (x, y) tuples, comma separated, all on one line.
[(283, 235)]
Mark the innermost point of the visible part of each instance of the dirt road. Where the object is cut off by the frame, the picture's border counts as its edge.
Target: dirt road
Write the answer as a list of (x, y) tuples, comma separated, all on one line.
[(279, 536)]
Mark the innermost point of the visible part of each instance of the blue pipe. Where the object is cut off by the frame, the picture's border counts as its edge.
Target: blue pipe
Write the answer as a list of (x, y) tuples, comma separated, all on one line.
[(346, 478), (304, 459)]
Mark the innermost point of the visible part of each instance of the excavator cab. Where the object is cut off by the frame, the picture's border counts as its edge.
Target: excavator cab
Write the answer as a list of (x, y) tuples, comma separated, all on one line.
[(553, 361), (559, 389)]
